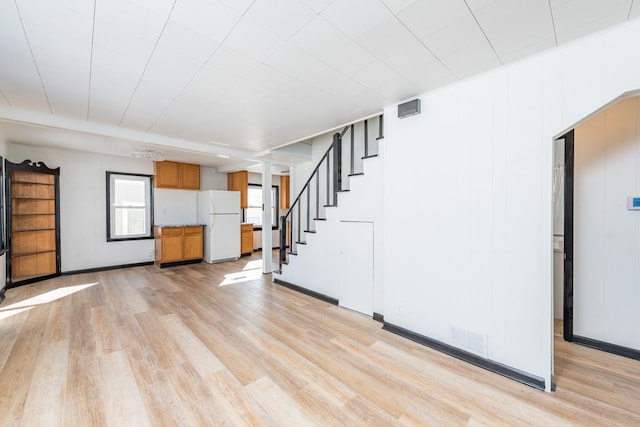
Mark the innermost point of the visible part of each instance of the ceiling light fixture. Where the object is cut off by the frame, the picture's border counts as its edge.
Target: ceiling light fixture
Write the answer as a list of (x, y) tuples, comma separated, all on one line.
[(219, 143), (222, 156), (148, 155)]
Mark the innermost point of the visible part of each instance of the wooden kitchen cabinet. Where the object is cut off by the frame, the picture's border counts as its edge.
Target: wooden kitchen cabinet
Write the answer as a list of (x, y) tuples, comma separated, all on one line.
[(285, 197), (176, 245), (246, 239), (182, 176), (239, 181)]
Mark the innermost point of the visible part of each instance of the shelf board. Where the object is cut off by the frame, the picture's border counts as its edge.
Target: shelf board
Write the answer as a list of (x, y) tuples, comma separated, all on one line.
[(32, 198), (13, 255), (32, 214)]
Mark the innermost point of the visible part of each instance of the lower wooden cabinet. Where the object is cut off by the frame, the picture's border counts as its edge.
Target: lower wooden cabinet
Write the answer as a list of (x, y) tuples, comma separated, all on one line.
[(178, 244), (246, 239)]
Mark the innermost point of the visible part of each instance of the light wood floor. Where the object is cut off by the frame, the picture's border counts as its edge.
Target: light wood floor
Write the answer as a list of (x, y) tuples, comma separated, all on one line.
[(144, 346)]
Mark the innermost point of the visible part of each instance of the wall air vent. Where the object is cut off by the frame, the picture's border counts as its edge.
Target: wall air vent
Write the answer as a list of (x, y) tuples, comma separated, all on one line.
[(409, 108)]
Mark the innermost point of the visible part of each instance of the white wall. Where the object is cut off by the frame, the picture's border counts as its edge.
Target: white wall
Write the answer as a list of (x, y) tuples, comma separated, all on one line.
[(211, 179), (83, 240), (473, 172), (175, 207), (607, 235)]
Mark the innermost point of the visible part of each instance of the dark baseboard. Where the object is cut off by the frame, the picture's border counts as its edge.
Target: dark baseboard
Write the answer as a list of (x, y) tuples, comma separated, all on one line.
[(498, 368), (2, 295), (609, 348), (32, 280), (378, 317), (107, 268), (177, 263), (306, 291)]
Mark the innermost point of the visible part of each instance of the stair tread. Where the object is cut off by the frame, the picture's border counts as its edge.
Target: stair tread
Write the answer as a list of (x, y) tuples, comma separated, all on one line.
[(309, 231), (369, 156), (292, 253), (330, 206), (356, 174), (379, 138), (343, 191), (319, 219), (301, 243)]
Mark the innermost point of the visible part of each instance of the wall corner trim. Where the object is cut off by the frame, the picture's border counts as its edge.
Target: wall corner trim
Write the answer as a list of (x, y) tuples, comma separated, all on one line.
[(498, 368)]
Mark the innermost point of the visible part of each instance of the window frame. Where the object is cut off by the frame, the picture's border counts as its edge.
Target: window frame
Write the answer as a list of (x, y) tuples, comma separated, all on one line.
[(111, 207), (276, 205)]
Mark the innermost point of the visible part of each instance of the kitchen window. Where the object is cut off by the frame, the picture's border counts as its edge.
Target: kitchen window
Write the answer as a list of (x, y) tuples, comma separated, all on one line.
[(253, 213), (129, 206)]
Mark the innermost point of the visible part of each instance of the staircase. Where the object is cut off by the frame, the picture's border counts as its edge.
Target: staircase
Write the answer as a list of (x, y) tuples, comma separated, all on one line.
[(306, 221)]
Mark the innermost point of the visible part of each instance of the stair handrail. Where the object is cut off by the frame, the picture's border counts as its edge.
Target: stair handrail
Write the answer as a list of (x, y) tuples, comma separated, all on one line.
[(283, 218), (336, 145)]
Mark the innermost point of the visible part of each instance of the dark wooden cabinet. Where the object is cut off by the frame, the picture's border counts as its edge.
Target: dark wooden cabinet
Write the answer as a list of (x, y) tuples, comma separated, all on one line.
[(176, 175)]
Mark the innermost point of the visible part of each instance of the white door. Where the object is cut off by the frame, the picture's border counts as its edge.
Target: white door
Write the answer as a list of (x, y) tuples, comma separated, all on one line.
[(356, 266)]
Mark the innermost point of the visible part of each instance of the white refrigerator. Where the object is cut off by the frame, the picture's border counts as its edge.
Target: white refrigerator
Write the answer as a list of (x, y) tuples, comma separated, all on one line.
[(219, 211)]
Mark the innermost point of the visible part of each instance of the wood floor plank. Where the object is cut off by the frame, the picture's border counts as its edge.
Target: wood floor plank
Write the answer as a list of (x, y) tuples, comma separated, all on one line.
[(182, 346)]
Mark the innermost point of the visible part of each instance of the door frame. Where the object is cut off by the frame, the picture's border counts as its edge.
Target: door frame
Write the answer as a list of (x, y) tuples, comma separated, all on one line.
[(569, 161), (568, 335)]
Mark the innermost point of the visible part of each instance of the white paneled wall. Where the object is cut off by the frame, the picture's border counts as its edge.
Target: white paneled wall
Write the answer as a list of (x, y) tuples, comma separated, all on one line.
[(468, 196), (83, 217), (606, 234)]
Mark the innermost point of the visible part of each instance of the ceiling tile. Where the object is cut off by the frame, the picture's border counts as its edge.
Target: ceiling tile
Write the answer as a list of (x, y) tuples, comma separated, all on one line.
[(318, 5), (238, 6), (331, 81), (207, 17), (183, 41), (131, 19), (232, 61), (385, 38), (576, 19), (20, 83), (398, 5), (291, 60), (319, 37), (269, 14), (211, 82), (517, 25), (354, 17), (417, 65), (349, 58), (253, 40), (60, 39), (476, 5), (460, 36), (427, 17)]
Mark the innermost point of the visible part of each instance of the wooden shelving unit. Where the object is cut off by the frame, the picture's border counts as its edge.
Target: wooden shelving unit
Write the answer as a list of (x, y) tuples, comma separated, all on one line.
[(34, 234)]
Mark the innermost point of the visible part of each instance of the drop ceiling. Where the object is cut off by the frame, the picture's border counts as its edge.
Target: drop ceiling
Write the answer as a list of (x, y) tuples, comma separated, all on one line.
[(197, 78)]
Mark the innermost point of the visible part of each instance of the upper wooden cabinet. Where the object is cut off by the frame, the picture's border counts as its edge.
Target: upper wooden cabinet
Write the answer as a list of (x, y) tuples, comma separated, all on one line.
[(239, 181), (184, 176), (285, 197)]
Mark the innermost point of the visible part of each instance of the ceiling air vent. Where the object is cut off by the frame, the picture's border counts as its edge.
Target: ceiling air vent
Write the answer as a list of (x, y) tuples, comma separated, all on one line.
[(409, 108)]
